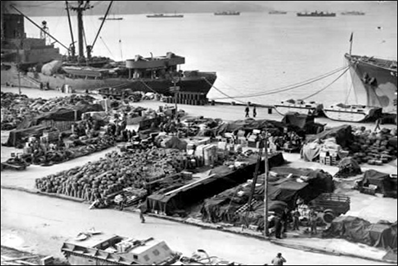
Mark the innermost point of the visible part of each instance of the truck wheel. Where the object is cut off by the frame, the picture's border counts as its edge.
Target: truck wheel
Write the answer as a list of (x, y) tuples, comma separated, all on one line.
[(104, 97), (110, 97), (328, 216)]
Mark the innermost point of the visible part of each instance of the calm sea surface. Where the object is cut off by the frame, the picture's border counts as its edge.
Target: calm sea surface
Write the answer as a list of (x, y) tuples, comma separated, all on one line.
[(252, 53)]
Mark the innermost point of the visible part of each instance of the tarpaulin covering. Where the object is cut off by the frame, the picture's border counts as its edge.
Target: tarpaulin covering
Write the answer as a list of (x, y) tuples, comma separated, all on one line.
[(383, 235), (69, 113), (343, 135), (176, 143), (310, 151), (223, 178), (361, 231), (15, 137), (381, 180), (60, 114), (297, 119), (249, 124), (351, 228), (348, 167), (283, 191), (318, 180)]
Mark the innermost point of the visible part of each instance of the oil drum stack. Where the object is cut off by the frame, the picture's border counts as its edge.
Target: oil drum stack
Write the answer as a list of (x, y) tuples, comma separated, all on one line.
[(189, 98)]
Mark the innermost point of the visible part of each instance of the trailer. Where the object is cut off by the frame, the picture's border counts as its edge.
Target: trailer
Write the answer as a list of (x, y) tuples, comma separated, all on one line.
[(331, 205)]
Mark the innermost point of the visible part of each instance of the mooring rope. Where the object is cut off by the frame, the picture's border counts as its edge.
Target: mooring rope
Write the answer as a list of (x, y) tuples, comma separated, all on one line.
[(315, 93), (289, 87)]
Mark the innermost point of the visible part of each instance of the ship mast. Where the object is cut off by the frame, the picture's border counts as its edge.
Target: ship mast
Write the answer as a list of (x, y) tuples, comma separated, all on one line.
[(79, 9), (72, 46)]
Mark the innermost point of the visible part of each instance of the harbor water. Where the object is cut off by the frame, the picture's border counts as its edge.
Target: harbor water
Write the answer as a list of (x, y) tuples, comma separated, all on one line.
[(255, 55)]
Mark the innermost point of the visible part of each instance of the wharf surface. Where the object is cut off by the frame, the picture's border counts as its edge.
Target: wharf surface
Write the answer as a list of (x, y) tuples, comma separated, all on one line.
[(361, 205)]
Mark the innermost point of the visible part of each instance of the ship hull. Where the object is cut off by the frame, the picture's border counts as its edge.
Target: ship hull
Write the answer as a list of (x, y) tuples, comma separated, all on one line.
[(375, 80), (201, 83)]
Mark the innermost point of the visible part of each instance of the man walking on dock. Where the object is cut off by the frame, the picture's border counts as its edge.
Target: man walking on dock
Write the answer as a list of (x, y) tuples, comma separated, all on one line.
[(278, 260), (254, 112), (247, 110), (141, 211)]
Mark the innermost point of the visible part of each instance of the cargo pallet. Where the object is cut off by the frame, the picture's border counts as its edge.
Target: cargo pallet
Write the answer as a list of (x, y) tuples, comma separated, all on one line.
[(189, 98)]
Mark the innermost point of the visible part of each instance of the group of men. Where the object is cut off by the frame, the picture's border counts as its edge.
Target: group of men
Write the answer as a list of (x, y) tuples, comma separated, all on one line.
[(247, 111), (282, 221)]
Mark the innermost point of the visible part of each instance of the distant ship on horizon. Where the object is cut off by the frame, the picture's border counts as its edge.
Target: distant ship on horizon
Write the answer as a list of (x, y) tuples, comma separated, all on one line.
[(316, 14), (227, 13), (111, 18), (277, 12), (353, 13), (161, 15)]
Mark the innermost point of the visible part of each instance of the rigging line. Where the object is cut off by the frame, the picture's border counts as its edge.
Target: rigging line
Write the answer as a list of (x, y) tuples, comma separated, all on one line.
[(352, 82), (106, 46), (327, 85), (147, 86), (121, 51), (34, 23), (348, 94), (287, 88), (102, 24)]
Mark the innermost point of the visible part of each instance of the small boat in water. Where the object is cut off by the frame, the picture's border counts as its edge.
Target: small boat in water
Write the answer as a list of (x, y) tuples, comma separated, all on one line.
[(351, 113), (299, 106)]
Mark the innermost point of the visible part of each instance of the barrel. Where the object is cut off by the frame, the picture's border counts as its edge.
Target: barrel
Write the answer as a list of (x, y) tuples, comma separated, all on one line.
[(328, 216)]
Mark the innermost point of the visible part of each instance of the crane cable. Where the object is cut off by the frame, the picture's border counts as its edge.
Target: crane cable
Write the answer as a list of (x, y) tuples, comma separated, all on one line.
[(106, 46), (148, 86), (289, 87)]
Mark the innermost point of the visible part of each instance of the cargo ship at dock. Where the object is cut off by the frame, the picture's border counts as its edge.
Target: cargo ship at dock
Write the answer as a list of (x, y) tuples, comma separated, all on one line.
[(377, 79), (32, 62)]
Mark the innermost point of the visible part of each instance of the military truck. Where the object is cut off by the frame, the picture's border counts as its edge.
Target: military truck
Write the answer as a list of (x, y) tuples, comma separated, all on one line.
[(120, 94), (331, 205)]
